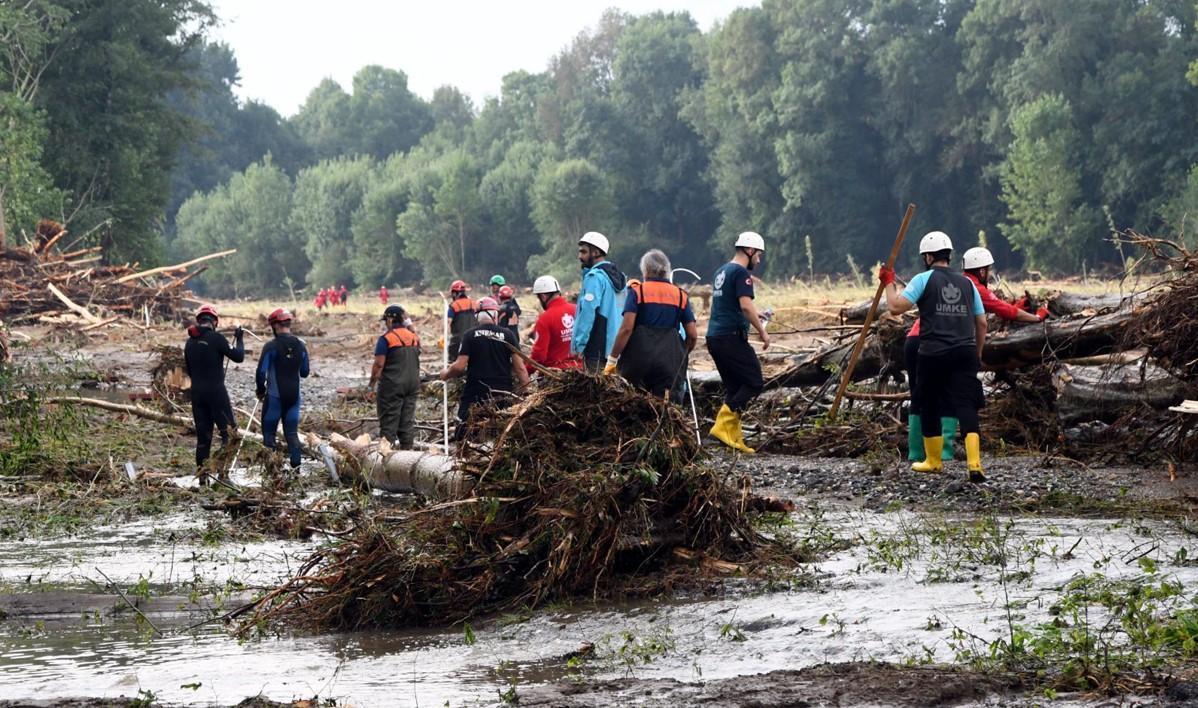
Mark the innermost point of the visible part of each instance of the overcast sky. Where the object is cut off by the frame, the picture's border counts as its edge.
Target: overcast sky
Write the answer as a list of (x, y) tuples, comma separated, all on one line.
[(285, 47)]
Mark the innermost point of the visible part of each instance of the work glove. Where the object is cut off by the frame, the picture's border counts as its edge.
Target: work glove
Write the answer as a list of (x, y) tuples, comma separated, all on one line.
[(1021, 303), (611, 367), (1042, 313), (885, 275), (261, 394), (239, 332)]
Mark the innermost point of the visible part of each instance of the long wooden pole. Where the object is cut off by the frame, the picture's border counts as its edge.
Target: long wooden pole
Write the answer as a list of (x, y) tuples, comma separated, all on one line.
[(847, 375), (168, 269)]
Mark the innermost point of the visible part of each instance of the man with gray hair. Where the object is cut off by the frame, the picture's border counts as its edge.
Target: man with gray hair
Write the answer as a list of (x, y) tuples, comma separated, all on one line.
[(649, 351), (486, 361)]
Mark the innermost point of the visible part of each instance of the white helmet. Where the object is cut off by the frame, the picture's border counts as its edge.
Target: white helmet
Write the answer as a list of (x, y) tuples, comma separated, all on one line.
[(935, 241), (977, 257), (545, 284), (596, 239), (750, 239)]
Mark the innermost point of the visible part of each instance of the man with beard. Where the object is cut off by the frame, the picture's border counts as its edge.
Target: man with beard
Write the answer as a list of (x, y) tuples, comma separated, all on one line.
[(600, 301), (732, 314)]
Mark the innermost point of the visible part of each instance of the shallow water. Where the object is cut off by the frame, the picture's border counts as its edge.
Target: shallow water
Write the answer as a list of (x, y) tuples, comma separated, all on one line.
[(852, 612)]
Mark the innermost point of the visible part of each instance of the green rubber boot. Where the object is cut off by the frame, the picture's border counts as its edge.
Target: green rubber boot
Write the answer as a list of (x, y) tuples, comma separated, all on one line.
[(948, 426), (914, 438)]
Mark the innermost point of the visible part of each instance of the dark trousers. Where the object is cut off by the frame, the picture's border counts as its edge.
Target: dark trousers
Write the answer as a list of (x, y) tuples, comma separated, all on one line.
[(289, 413), (654, 359), (397, 417), (739, 369), (911, 363), (209, 408), (948, 386)]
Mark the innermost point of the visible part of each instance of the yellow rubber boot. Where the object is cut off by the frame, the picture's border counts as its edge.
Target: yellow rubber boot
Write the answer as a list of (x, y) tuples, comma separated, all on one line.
[(740, 435), (973, 457), (722, 429), (932, 449)]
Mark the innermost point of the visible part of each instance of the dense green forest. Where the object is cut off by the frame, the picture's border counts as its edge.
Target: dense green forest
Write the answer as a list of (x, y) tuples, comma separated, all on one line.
[(1036, 125)]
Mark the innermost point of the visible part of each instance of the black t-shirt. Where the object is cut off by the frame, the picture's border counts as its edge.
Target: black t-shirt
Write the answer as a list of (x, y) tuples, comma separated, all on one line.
[(509, 311), (490, 365)]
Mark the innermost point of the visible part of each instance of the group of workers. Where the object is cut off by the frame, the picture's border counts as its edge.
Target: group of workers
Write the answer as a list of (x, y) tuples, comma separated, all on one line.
[(331, 297), (643, 329)]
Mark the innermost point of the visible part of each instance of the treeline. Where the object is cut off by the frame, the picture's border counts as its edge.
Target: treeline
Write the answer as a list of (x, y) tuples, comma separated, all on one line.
[(1038, 125)]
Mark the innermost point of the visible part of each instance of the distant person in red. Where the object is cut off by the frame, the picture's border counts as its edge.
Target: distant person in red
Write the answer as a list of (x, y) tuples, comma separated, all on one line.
[(383, 294), (319, 301), (334, 298), (344, 297)]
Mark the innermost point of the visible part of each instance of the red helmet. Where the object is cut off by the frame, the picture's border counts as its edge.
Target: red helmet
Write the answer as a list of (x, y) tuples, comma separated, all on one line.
[(459, 286), (506, 293), (279, 316), (488, 304), (207, 311)]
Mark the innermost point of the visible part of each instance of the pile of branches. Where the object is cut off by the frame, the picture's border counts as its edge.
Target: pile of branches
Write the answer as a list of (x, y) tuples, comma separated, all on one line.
[(41, 283), (1093, 382), (588, 489)]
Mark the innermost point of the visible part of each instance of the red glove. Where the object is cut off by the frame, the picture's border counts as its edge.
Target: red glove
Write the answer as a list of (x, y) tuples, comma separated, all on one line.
[(1042, 313), (886, 275)]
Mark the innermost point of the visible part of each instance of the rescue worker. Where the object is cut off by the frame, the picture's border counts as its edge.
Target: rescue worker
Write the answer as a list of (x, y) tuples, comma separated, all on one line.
[(344, 296), (732, 314), (334, 297), (497, 281), (284, 361), (976, 264), (384, 295), (321, 297), (600, 299), (204, 355), (461, 315), (554, 328), (396, 371), (509, 310), (648, 351), (952, 332), (486, 361)]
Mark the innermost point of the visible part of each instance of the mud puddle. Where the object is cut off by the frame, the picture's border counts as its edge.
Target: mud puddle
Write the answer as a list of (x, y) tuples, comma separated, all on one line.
[(896, 595)]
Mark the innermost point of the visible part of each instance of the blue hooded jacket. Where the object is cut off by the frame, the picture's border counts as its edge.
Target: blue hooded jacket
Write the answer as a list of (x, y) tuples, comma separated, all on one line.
[(598, 315)]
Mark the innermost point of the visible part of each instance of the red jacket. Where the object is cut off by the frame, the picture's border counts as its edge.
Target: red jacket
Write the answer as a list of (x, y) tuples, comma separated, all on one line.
[(553, 332), (990, 302)]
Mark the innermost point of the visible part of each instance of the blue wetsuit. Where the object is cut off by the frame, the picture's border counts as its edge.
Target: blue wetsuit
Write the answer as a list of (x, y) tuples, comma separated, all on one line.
[(283, 363)]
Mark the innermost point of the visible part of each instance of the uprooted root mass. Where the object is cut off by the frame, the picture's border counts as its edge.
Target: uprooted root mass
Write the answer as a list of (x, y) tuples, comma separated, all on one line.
[(589, 490)]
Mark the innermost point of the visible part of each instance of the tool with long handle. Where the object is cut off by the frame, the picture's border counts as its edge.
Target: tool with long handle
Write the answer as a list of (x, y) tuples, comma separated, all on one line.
[(241, 442), (847, 375), (445, 365), (690, 389)]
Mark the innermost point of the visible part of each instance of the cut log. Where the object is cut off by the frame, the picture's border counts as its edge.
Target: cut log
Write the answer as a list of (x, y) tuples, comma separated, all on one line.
[(180, 266), (1066, 339), (377, 465), (1103, 393)]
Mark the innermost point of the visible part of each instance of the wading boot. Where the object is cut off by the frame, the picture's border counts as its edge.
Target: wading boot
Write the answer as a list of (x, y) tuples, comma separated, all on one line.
[(948, 430), (740, 435), (973, 458), (722, 429), (914, 438), (932, 448)]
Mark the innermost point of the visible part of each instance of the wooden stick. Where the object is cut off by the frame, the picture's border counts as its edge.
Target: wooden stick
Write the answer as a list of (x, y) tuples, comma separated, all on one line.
[(101, 323), (868, 396), (45, 248), (847, 375), (181, 266), (82, 311), (122, 408)]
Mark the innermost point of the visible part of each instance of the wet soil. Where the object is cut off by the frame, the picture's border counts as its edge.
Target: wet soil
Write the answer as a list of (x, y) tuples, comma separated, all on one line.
[(845, 684)]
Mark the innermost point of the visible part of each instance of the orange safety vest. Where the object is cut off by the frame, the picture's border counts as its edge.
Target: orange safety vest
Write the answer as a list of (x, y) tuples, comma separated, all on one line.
[(656, 292)]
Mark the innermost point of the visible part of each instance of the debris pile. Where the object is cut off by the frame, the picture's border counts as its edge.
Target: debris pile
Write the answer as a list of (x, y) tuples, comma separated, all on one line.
[(1089, 382), (40, 283), (588, 489)]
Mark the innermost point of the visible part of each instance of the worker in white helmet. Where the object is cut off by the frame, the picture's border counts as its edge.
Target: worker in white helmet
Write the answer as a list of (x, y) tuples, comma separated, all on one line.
[(977, 264), (732, 314), (600, 300), (554, 329), (952, 332)]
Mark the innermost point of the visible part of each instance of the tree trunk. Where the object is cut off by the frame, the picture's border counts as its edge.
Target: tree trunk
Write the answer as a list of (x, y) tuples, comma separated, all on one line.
[(3, 223), (1086, 393)]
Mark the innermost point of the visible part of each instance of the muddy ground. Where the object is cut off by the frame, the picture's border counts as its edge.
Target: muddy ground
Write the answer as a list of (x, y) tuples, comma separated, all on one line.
[(860, 627)]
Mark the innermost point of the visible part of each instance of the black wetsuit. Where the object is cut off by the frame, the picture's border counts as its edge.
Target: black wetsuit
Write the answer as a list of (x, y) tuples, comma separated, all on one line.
[(205, 354)]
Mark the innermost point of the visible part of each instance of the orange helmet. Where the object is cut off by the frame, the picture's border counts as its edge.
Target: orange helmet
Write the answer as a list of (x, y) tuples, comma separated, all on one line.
[(207, 311), (506, 293), (459, 286), (279, 316)]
